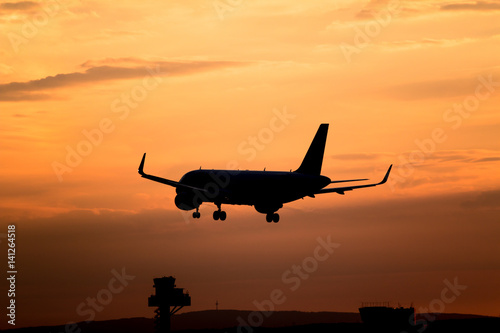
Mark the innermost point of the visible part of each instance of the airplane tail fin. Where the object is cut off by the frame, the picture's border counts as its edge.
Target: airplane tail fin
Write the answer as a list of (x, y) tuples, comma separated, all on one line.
[(312, 162)]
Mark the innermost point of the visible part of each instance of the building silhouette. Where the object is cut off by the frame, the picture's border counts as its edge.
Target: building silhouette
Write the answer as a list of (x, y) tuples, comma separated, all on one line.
[(167, 296)]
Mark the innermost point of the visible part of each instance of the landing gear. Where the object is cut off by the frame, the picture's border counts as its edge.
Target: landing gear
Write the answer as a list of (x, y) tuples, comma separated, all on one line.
[(219, 214), (196, 215), (272, 217)]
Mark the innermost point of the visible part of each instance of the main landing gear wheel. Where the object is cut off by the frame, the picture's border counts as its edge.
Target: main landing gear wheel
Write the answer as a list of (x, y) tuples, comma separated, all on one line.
[(272, 217), (196, 215), (219, 215)]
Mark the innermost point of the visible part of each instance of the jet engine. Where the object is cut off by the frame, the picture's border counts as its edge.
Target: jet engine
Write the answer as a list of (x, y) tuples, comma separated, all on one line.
[(266, 208), (187, 201)]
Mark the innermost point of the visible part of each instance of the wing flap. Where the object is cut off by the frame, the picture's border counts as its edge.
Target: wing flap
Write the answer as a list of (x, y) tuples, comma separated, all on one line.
[(348, 180)]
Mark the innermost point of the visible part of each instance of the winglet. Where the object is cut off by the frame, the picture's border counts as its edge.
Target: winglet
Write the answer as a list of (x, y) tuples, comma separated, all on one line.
[(141, 166), (386, 175)]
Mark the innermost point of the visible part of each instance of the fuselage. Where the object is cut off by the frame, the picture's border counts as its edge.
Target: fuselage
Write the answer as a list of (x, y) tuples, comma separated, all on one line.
[(266, 190)]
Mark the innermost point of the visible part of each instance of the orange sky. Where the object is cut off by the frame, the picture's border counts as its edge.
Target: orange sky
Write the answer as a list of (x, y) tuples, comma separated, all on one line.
[(88, 86)]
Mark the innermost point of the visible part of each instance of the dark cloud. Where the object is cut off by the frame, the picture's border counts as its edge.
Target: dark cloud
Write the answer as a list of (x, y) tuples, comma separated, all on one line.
[(458, 158), (453, 155), (371, 8), (487, 199), (23, 97), (478, 5), (15, 6), (465, 156), (441, 167), (488, 159), (71, 254), (29, 90)]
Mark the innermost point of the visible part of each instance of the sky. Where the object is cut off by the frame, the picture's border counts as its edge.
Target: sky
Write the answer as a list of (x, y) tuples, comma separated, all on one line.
[(87, 87)]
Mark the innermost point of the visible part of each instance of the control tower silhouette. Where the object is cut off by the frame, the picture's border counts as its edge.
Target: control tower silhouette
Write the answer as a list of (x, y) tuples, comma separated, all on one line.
[(166, 296)]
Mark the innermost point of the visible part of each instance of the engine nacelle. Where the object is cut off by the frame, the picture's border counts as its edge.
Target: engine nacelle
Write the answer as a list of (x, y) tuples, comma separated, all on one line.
[(268, 207), (187, 201)]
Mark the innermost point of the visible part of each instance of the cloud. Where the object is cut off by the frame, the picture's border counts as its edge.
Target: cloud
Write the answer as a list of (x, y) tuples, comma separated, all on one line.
[(106, 34), (486, 199), (119, 62), (6, 69), (488, 159), (425, 42), (436, 233), (440, 156), (463, 86), (358, 156), (447, 170), (478, 5), (24, 97), (371, 8), (464, 156), (460, 158), (413, 8), (120, 70), (18, 6)]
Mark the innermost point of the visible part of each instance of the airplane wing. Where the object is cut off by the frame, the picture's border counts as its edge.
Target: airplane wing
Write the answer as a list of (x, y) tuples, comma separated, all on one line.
[(341, 190), (164, 180), (347, 180)]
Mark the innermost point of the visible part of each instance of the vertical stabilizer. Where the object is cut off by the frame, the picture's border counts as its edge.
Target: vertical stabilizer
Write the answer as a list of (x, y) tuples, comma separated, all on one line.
[(311, 165)]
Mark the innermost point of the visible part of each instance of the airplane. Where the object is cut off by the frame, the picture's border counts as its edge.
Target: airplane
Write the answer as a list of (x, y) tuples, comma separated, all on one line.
[(267, 191)]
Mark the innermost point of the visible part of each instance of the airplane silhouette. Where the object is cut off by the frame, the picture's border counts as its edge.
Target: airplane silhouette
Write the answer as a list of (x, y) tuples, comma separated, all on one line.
[(267, 191)]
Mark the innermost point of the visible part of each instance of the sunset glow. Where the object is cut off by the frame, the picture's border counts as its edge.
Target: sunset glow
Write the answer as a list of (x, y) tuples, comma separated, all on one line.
[(87, 87)]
